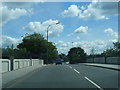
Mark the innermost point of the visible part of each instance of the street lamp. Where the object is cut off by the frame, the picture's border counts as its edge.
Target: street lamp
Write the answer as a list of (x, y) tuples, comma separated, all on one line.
[(92, 53), (47, 37), (72, 44)]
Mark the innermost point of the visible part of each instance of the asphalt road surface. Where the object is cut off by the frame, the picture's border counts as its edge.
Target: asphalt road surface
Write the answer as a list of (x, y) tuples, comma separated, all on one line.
[(68, 76)]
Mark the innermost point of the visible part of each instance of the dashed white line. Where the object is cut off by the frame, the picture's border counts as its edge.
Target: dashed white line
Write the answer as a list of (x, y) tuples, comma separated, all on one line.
[(94, 83), (88, 79), (69, 66), (76, 70)]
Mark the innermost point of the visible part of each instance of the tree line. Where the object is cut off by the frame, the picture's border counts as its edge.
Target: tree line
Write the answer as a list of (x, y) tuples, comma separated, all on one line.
[(34, 46), (78, 55)]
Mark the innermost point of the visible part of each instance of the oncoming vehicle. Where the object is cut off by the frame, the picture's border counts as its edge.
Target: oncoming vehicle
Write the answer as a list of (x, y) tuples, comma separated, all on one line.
[(58, 61)]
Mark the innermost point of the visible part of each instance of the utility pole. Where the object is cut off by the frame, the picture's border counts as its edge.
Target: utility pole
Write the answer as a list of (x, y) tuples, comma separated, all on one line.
[(47, 38), (72, 44), (92, 53)]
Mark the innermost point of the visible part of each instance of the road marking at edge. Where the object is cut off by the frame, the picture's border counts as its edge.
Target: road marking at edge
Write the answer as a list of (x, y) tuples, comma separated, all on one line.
[(76, 71), (93, 83)]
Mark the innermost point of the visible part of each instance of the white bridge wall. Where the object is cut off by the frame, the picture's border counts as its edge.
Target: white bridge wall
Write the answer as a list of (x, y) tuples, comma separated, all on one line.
[(19, 63)]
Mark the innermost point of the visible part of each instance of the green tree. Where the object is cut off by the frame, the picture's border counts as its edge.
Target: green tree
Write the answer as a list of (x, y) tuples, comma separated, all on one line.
[(64, 57), (21, 53), (34, 43), (76, 55), (115, 51), (116, 45), (6, 53), (52, 52), (0, 53), (37, 46)]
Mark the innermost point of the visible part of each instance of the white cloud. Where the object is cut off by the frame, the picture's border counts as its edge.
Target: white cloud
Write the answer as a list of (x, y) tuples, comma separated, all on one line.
[(77, 37), (64, 45), (114, 40), (71, 34), (98, 45), (10, 14), (81, 29), (59, 43), (95, 10), (53, 30), (72, 11), (100, 10), (112, 33), (82, 8), (8, 41)]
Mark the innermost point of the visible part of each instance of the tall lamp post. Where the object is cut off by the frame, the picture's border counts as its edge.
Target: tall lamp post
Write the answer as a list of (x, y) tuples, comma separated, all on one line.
[(92, 53), (47, 38), (72, 44)]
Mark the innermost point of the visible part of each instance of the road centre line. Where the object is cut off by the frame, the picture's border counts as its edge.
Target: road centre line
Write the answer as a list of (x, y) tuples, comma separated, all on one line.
[(69, 66), (93, 83), (88, 79), (76, 70)]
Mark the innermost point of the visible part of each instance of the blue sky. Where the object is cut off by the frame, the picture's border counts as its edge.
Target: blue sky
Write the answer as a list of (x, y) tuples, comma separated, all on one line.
[(86, 24)]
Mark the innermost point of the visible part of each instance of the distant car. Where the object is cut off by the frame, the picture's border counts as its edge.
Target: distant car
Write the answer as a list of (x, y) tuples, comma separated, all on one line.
[(58, 61)]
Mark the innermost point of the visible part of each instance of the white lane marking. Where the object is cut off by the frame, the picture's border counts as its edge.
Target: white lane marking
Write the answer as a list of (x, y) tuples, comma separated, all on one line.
[(69, 66), (93, 83), (76, 70)]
